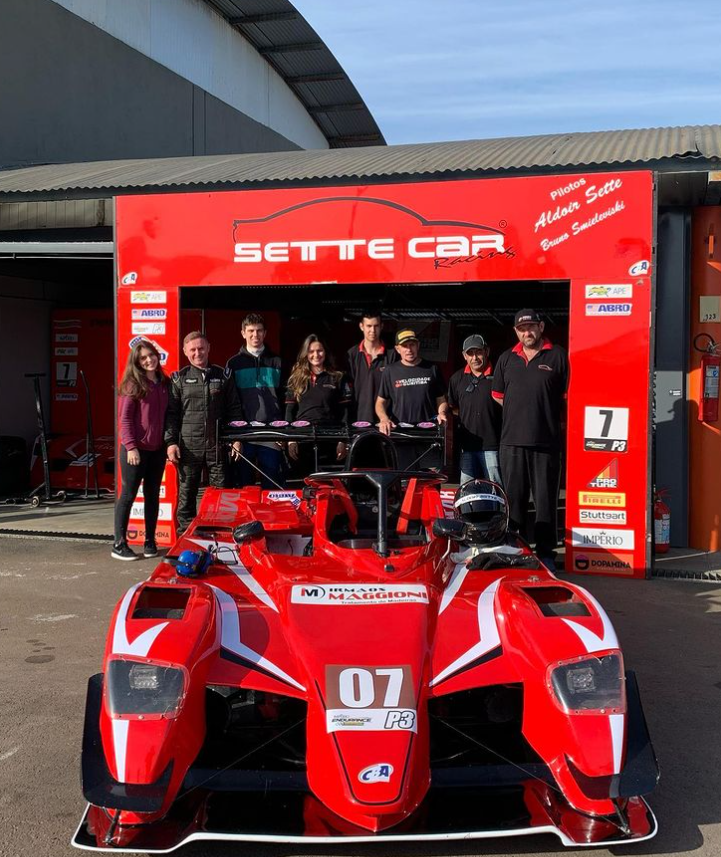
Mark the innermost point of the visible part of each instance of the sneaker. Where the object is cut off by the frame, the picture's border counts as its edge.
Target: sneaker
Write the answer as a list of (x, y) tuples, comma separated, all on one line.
[(150, 550), (122, 551)]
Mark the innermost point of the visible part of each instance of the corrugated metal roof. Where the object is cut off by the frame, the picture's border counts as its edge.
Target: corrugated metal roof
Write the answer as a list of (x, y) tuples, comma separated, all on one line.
[(278, 31), (670, 149)]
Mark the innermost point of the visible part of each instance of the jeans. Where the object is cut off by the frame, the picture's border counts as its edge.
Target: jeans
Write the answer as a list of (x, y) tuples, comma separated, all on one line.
[(269, 459), (481, 464), (150, 472)]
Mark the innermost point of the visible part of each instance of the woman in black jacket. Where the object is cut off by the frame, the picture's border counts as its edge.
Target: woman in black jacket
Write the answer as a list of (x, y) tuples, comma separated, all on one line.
[(317, 392)]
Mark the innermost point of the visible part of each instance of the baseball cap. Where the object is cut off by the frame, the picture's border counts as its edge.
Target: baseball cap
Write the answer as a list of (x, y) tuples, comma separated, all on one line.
[(475, 340), (405, 336), (526, 316)]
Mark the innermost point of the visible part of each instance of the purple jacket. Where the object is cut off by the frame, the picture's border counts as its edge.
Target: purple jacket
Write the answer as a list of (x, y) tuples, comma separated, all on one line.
[(141, 421)]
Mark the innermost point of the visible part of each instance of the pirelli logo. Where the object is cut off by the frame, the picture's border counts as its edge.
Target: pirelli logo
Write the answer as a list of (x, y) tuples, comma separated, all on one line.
[(602, 498)]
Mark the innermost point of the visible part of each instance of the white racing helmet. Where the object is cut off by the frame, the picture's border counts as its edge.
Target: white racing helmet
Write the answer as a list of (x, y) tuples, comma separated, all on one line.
[(483, 507)]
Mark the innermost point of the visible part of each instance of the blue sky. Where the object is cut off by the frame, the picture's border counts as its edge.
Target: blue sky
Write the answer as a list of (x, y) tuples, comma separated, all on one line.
[(463, 69)]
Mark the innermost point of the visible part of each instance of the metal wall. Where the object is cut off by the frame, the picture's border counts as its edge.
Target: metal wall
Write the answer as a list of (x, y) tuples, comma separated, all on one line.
[(672, 348), (71, 92)]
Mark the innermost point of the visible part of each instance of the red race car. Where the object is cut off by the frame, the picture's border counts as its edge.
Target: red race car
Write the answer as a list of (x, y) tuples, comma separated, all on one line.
[(353, 662)]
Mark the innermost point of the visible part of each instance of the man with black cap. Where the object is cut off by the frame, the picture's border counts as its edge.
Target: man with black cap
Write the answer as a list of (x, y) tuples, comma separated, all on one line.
[(479, 426), (530, 382), (411, 392)]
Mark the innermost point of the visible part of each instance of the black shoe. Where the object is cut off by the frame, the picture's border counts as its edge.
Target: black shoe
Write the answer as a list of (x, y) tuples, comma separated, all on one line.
[(150, 550), (122, 551)]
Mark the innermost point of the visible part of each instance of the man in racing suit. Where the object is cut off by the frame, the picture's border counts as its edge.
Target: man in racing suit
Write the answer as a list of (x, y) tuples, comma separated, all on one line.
[(200, 394)]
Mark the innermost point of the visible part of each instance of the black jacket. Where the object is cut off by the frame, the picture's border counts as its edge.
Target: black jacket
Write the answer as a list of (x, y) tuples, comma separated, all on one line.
[(197, 399)]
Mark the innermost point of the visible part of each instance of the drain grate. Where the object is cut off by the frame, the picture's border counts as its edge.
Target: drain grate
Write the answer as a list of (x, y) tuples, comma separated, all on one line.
[(43, 534), (684, 574)]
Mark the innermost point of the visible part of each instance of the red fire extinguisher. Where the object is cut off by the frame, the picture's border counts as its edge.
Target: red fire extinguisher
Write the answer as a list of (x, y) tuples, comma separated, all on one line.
[(710, 362), (661, 522)]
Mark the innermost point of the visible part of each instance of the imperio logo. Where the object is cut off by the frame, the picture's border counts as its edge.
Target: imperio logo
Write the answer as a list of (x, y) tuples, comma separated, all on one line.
[(430, 239)]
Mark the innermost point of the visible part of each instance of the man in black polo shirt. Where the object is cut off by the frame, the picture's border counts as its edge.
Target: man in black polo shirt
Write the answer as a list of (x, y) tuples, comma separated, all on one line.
[(366, 363), (530, 382), (411, 392), (479, 425)]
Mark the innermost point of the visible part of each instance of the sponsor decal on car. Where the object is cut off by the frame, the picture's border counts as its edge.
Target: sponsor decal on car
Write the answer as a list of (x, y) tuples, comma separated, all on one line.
[(283, 497), (610, 309), (607, 478), (373, 699), (606, 563), (359, 593), (156, 297), (615, 290), (597, 498), (379, 773), (602, 516), (601, 538)]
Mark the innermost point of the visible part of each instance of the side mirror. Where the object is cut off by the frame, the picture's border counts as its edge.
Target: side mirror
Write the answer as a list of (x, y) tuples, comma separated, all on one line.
[(249, 530), (449, 528)]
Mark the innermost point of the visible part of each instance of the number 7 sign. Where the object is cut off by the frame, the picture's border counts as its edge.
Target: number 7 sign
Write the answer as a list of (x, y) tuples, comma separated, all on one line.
[(605, 429)]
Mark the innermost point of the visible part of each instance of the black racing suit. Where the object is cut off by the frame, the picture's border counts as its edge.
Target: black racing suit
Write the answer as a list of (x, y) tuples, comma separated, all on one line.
[(198, 398)]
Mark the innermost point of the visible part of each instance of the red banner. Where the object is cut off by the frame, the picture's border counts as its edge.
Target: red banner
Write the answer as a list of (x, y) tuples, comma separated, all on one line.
[(593, 230)]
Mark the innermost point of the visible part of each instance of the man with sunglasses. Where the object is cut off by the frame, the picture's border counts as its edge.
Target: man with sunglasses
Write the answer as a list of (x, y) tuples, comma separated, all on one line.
[(479, 424), (530, 382)]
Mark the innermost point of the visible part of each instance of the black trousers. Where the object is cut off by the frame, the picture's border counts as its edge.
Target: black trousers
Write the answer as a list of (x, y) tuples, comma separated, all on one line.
[(190, 473), (150, 473), (531, 472)]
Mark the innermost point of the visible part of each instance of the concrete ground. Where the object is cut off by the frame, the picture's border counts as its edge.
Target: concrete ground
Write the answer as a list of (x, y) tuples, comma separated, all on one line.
[(56, 600)]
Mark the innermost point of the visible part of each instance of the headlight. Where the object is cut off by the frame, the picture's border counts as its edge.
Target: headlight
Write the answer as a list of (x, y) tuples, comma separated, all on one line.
[(592, 685), (136, 687)]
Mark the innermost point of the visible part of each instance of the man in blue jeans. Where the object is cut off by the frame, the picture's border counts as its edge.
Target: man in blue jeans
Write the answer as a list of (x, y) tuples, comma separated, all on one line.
[(479, 423)]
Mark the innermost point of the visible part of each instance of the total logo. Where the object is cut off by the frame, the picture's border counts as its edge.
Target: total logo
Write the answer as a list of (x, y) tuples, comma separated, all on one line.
[(607, 478), (380, 773)]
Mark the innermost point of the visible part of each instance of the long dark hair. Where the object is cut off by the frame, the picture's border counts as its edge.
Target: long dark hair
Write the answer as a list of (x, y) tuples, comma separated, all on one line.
[(134, 383), (299, 379)]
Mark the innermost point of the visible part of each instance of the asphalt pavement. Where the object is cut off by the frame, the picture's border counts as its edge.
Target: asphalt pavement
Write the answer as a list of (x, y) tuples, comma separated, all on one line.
[(56, 598)]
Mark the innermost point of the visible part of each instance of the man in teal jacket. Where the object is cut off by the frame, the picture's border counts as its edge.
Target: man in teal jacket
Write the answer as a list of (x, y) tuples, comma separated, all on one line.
[(257, 374)]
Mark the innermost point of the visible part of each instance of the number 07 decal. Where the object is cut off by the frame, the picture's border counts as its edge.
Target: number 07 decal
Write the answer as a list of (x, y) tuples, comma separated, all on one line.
[(605, 429), (370, 699)]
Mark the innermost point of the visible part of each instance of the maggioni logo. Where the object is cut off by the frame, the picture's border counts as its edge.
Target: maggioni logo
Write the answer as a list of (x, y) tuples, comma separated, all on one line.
[(434, 239)]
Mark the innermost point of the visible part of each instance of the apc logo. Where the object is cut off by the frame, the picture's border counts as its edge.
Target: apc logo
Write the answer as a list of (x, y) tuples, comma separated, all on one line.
[(380, 773)]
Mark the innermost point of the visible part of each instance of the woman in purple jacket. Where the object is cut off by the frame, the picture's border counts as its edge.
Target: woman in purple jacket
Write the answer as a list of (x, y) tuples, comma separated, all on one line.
[(142, 402)]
